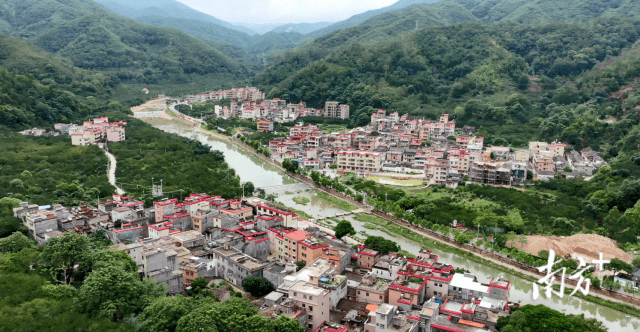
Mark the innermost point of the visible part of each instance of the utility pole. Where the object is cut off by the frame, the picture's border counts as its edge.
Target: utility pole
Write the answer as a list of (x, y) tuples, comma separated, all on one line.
[(385, 197)]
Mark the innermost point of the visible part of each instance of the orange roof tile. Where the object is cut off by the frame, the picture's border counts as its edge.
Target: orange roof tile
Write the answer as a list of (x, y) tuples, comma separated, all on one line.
[(371, 307), (298, 235)]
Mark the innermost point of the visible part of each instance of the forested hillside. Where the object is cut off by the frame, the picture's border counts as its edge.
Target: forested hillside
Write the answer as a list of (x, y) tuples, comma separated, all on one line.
[(359, 18), (256, 51), (476, 71), (92, 37), (413, 19), (19, 57)]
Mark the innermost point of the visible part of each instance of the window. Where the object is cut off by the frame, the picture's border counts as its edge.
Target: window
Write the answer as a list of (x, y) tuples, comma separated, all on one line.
[(310, 297), (304, 297), (310, 317), (295, 294), (310, 308), (310, 326), (380, 297), (367, 293)]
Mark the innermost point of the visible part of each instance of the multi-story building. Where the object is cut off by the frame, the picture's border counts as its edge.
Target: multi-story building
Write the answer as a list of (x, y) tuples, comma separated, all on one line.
[(115, 134), (372, 290), (387, 317), (333, 109), (233, 265), (160, 258), (265, 126), (359, 161), (387, 266), (367, 258), (195, 267)]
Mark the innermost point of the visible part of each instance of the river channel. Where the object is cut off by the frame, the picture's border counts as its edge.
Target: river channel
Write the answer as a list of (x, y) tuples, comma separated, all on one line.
[(262, 174)]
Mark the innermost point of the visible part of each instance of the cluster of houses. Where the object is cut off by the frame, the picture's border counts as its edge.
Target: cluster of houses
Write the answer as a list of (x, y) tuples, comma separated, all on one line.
[(92, 132), (250, 103), (278, 110), (342, 287), (239, 94), (436, 150)]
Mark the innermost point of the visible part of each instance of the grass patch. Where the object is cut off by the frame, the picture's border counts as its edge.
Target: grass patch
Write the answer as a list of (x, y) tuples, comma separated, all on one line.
[(301, 200), (298, 212), (400, 182), (406, 254), (370, 226), (288, 193), (337, 202), (170, 112)]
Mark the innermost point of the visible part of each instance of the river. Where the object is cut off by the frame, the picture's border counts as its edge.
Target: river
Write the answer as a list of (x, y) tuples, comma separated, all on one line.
[(254, 169)]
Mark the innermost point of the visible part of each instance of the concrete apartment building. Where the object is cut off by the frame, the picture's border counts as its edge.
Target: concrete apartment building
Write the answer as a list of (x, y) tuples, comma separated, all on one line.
[(160, 259), (277, 272), (372, 290), (359, 161), (387, 266), (265, 126), (367, 258), (311, 288), (333, 109), (387, 317), (195, 267), (233, 265)]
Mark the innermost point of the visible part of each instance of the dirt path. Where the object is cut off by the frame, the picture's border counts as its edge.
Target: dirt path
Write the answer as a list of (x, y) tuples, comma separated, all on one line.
[(112, 172)]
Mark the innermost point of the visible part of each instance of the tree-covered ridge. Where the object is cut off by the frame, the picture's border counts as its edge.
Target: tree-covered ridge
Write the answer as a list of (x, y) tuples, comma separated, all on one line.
[(411, 20), (42, 170), (20, 57), (92, 37), (24, 102), (476, 57), (181, 163)]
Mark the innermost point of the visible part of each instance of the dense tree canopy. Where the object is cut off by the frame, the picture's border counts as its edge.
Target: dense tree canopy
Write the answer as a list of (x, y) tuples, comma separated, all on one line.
[(256, 286), (532, 317)]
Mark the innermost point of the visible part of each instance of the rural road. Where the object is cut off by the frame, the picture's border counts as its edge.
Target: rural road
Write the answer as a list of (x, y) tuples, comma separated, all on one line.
[(112, 172)]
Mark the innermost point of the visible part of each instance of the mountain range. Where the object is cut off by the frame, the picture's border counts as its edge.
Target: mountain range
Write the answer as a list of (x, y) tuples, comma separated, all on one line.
[(92, 37), (138, 9)]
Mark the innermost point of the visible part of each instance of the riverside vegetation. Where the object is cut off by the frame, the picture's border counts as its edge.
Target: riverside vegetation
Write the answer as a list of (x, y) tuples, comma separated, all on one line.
[(501, 66)]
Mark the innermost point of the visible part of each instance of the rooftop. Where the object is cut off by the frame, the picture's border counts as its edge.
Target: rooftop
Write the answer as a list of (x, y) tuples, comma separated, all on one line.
[(443, 322), (304, 287), (466, 281)]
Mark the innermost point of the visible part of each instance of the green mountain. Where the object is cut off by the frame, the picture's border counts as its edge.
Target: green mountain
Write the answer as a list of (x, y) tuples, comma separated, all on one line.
[(39, 88), (258, 49), (470, 70), (359, 18), (412, 19), (92, 37), (138, 9), (18, 57), (303, 28)]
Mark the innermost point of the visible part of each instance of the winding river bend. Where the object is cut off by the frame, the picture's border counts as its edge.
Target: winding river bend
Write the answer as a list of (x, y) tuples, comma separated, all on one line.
[(251, 168)]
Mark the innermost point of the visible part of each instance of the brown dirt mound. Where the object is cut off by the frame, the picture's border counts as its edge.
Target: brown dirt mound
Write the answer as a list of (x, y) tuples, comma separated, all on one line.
[(585, 245)]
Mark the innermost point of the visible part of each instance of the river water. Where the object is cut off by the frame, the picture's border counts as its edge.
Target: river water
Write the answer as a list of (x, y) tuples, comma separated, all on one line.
[(254, 169)]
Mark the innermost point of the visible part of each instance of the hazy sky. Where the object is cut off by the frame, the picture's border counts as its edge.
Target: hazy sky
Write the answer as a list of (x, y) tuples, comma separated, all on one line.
[(284, 11)]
